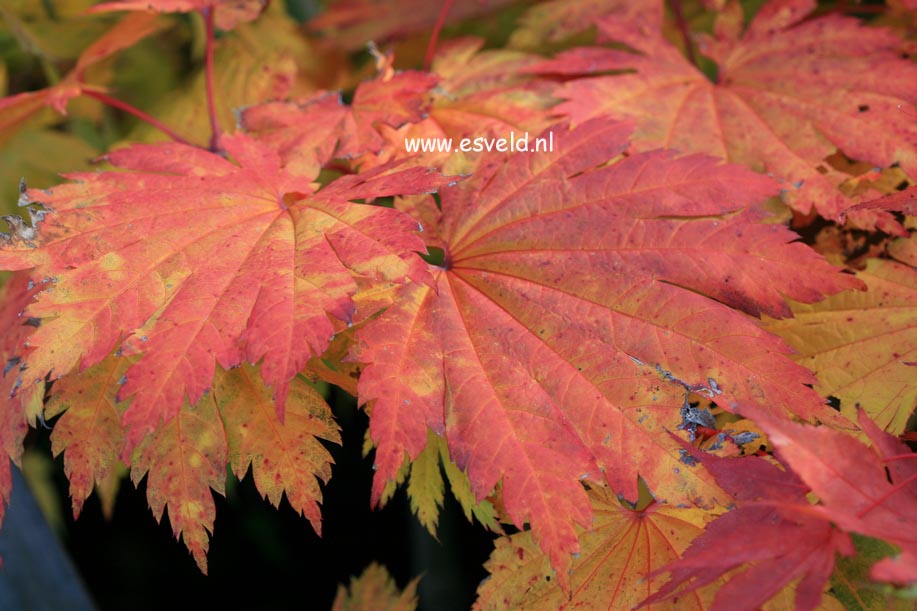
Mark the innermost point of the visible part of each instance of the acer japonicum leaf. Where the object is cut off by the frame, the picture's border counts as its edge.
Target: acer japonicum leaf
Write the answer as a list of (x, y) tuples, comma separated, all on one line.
[(788, 94), (766, 543), (613, 571), (284, 458), (227, 13), (183, 459), (472, 93), (577, 304), (89, 432), (16, 109), (859, 344), (480, 94), (860, 489), (188, 259), (780, 535), (426, 487), (308, 133), (375, 589)]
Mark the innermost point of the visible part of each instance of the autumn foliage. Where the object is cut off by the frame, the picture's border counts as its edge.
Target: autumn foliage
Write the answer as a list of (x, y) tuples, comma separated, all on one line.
[(676, 353)]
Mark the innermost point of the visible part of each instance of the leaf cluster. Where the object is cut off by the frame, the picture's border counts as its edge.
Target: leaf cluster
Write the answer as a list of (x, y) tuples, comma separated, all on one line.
[(675, 351)]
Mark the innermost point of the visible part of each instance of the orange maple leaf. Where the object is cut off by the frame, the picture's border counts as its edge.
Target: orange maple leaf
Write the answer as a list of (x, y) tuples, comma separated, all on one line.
[(778, 536), (574, 302), (192, 259), (789, 92)]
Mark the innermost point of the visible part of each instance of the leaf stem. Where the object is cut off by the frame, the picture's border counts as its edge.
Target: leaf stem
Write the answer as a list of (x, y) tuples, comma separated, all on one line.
[(434, 37), (208, 75), (133, 110), (682, 24)]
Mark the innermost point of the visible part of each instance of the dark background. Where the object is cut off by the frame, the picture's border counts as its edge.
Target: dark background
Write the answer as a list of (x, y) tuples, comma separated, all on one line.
[(266, 558)]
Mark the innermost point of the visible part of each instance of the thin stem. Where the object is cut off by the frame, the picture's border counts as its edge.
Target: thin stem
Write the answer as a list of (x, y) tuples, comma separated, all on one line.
[(208, 73), (682, 23), (132, 110), (434, 37)]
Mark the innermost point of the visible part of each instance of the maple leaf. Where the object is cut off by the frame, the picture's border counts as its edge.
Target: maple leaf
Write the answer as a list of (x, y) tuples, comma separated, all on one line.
[(618, 553), (856, 489), (184, 458), (426, 488), (788, 93), (227, 13), (779, 544), (470, 93), (221, 263), (480, 94), (782, 534), (89, 432), (860, 344), (307, 133), (375, 589), (16, 109), (573, 303), (285, 457), (780, 549)]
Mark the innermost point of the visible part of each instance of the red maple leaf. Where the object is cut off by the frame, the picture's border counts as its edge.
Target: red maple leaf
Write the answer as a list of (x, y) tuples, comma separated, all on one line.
[(872, 491), (573, 304), (192, 259), (789, 92), (780, 535)]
